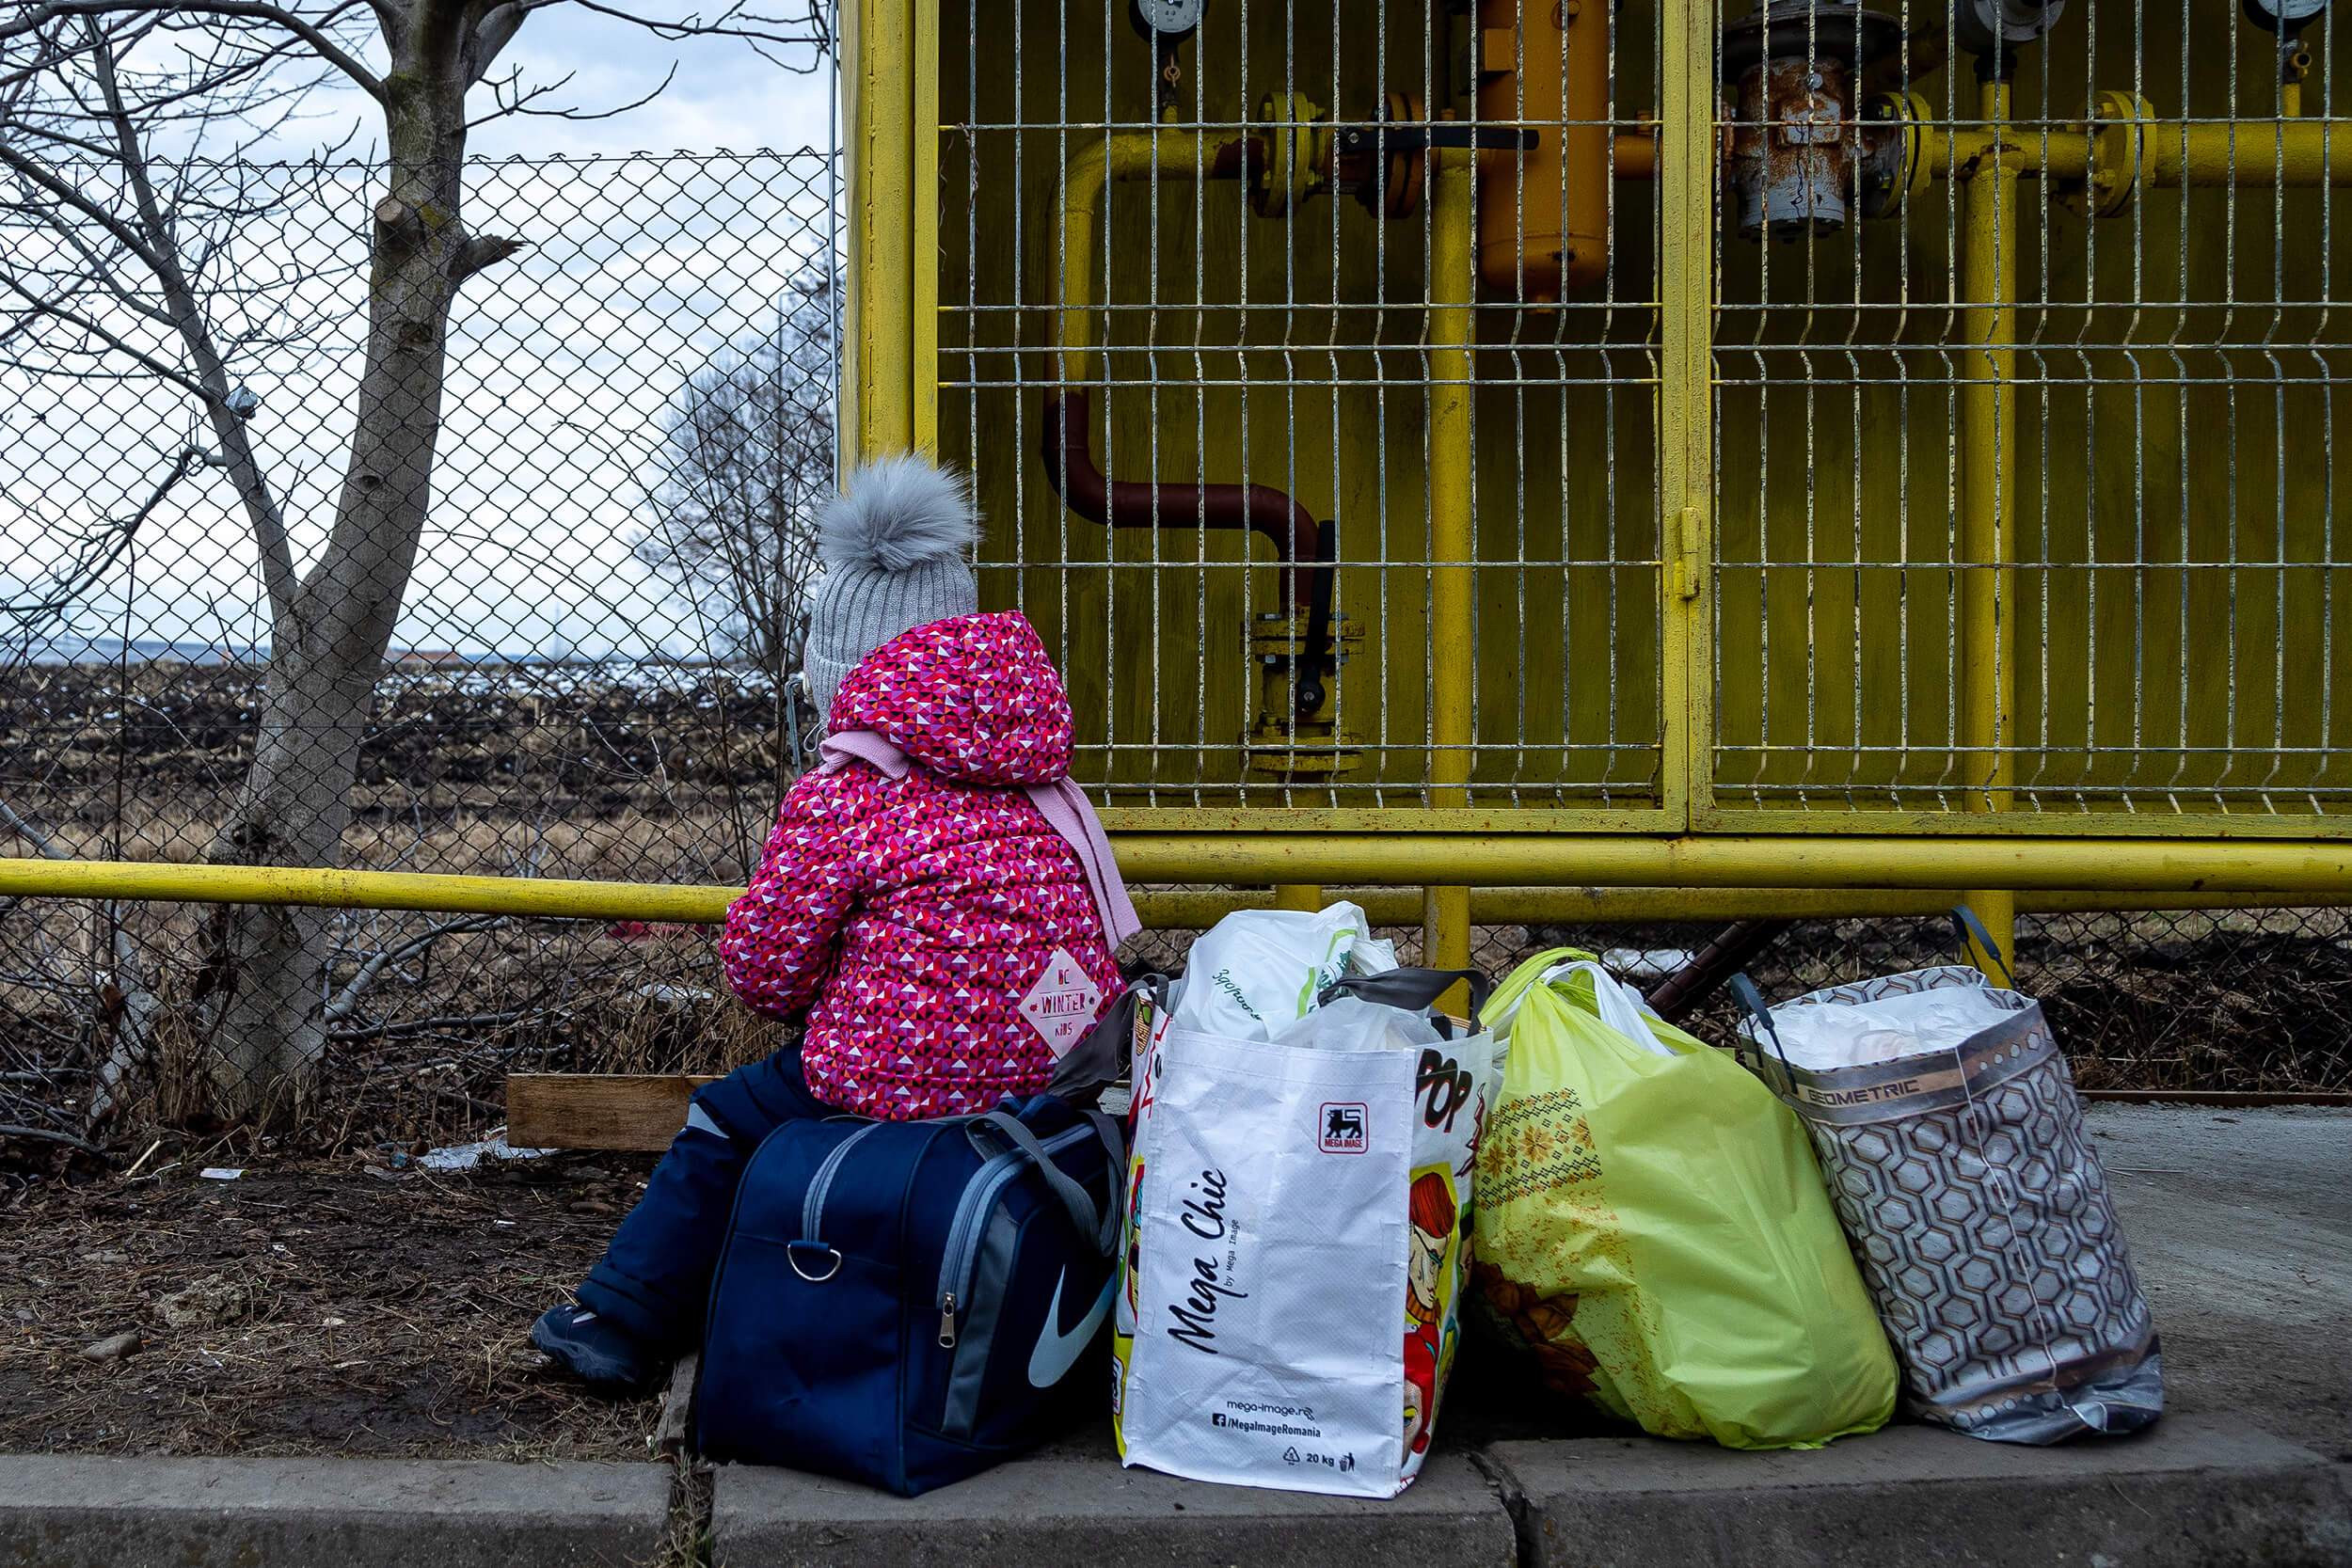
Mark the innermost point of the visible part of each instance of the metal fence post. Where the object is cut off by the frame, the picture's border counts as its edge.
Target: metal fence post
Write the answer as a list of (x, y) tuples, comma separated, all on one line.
[(1988, 414), (1453, 544), (1686, 400)]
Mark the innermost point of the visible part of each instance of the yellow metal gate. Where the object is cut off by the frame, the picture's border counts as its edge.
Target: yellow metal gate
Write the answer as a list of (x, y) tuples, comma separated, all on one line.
[(1725, 436)]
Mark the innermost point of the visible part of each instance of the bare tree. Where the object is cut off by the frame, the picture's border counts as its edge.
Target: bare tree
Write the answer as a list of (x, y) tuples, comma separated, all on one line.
[(750, 456), (92, 95)]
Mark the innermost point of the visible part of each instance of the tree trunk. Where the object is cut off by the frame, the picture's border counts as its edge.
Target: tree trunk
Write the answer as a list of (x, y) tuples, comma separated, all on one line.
[(265, 980)]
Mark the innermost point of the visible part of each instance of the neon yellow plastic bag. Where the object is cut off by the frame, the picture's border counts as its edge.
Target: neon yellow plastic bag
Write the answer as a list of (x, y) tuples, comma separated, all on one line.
[(1652, 1228)]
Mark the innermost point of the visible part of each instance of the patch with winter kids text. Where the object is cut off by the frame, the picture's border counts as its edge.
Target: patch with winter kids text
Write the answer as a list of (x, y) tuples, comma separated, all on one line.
[(1062, 1003)]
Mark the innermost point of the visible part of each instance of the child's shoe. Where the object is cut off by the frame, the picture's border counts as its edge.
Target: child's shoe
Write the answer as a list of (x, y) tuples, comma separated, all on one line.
[(595, 1350)]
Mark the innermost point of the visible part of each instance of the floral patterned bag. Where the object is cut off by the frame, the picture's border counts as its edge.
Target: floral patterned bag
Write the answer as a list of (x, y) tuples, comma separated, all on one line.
[(1652, 1229)]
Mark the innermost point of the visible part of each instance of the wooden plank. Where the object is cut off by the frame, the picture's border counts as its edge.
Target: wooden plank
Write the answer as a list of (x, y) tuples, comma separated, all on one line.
[(597, 1110), (677, 1430)]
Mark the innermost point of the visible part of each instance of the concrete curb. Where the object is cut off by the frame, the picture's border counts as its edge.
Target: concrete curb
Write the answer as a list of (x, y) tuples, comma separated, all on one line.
[(80, 1511), (2196, 1491), (2192, 1491), (1036, 1513)]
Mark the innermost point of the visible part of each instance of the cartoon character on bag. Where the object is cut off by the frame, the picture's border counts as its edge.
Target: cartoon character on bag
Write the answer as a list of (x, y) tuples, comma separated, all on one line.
[(1134, 1250), (1429, 1320)]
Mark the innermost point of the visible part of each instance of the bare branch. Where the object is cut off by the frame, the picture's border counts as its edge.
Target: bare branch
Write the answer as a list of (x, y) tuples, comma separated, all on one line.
[(7, 1130), (30, 834), (491, 34), (100, 552), (755, 28), (520, 103), (28, 169), (145, 360), (483, 250), (346, 1001), (269, 528), (131, 1010), (260, 11)]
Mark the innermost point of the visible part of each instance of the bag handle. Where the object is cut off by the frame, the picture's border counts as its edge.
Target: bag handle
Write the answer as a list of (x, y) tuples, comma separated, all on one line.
[(1097, 1060), (1752, 1003), (1965, 927), (1100, 1224), (1411, 988), (1620, 1005)]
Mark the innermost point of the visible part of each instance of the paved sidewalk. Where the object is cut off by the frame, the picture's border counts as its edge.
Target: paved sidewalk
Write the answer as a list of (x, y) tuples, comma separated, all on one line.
[(2240, 1222)]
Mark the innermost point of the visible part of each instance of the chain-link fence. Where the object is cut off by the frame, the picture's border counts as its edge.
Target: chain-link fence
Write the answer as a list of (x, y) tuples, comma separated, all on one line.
[(589, 672)]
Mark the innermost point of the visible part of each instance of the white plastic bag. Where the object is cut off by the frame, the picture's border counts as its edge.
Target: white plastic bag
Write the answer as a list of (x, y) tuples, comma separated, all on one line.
[(1257, 971), (1296, 1246), (1620, 1005), (1351, 1023), (1840, 1034)]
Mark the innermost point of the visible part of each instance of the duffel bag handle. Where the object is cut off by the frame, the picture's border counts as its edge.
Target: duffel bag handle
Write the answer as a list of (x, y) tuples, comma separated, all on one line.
[(1411, 988), (1752, 1003), (1100, 1223), (1968, 927), (1096, 1061)]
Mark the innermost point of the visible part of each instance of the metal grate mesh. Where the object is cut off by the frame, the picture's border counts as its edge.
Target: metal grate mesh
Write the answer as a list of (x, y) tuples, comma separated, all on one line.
[(1160, 260), (2026, 492)]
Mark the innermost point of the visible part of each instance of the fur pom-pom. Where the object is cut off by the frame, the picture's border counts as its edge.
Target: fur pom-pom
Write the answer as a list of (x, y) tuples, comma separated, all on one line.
[(897, 513)]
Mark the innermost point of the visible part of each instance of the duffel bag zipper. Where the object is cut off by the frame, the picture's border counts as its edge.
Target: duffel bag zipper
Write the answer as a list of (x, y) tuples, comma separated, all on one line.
[(963, 1237)]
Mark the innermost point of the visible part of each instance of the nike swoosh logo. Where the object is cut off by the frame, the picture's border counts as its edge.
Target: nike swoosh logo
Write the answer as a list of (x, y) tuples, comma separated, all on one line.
[(1056, 1352)]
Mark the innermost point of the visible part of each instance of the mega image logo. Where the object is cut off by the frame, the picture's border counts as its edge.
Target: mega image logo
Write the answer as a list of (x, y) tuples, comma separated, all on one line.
[(1342, 1129)]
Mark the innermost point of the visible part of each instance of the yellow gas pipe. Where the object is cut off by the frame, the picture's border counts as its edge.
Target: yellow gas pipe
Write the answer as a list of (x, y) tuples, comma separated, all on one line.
[(1988, 419), (1663, 878), (1163, 155), (1167, 154)]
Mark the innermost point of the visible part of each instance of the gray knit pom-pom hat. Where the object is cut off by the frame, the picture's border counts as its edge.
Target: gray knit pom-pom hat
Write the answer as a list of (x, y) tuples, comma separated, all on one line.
[(893, 545)]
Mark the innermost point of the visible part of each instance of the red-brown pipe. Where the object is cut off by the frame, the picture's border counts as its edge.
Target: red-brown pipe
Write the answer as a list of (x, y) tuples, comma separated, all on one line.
[(1068, 449)]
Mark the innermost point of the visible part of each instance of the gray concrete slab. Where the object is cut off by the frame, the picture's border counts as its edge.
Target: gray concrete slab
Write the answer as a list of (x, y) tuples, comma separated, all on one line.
[(2240, 1225), (1051, 1511), (2193, 1492), (84, 1512)]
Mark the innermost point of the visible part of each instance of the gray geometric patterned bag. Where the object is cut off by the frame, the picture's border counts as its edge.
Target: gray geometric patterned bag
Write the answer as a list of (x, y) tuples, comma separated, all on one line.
[(1979, 1212)]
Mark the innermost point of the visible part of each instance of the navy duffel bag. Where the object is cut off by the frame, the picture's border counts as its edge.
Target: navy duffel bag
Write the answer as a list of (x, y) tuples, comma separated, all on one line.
[(909, 1303)]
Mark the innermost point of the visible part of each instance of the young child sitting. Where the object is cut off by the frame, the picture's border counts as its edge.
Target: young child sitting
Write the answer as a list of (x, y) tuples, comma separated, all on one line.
[(921, 886)]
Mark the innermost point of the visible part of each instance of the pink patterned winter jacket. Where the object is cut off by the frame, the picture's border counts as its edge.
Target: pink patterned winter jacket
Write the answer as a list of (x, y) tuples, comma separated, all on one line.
[(910, 918)]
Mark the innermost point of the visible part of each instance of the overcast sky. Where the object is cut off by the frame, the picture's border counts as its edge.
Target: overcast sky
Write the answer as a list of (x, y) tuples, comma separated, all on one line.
[(723, 94), (565, 361)]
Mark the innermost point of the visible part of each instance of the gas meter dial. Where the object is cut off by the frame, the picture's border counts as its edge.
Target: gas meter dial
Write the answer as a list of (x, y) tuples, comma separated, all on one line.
[(1167, 21), (1982, 27), (2284, 16)]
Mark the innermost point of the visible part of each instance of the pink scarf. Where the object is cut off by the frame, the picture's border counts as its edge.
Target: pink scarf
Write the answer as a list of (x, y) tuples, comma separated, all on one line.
[(1063, 806)]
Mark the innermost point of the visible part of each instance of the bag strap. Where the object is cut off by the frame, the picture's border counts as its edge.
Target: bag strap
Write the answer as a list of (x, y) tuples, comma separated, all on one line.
[(1411, 988), (1096, 1061), (1618, 1005), (1965, 927), (1752, 1003), (1115, 1146), (1092, 1222)]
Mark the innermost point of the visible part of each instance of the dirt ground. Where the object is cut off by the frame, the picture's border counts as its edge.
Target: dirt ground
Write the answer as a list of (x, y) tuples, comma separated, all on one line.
[(329, 1308)]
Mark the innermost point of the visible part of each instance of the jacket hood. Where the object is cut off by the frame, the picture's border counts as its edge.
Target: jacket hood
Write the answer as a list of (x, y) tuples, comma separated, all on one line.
[(973, 698)]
